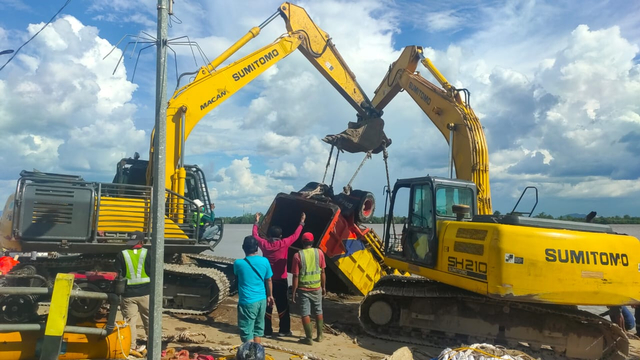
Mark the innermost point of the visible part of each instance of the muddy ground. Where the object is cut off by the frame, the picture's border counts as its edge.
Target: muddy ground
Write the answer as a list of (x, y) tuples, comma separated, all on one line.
[(340, 313)]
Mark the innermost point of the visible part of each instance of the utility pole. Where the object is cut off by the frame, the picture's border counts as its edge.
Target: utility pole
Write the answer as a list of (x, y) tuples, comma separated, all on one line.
[(158, 201)]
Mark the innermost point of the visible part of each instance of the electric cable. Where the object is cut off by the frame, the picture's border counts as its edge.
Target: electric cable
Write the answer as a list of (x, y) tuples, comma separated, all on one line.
[(36, 34)]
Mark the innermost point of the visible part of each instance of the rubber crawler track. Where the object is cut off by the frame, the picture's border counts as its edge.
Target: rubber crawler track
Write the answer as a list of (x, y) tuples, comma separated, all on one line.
[(216, 276), (221, 263), (402, 287)]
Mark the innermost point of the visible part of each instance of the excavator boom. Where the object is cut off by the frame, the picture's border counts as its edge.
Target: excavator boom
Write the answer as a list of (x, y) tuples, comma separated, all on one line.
[(212, 86), (454, 118)]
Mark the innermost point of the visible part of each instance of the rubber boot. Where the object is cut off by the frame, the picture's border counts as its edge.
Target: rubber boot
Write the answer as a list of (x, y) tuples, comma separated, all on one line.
[(308, 332), (319, 329)]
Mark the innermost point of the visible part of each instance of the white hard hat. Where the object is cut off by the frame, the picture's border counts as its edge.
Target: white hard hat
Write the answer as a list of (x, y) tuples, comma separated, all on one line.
[(198, 203)]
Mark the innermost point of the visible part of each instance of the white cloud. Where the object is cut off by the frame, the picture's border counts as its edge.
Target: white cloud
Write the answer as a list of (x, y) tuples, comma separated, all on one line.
[(236, 185), (571, 128), (442, 20), (62, 109), (278, 145), (288, 171)]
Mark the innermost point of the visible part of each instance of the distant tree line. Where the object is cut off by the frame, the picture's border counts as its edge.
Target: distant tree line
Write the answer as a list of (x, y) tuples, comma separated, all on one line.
[(626, 219), (244, 219)]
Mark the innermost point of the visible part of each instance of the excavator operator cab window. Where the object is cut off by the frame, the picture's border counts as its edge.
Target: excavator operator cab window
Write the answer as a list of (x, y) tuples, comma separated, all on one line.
[(417, 242), (447, 196), (420, 239), (399, 221)]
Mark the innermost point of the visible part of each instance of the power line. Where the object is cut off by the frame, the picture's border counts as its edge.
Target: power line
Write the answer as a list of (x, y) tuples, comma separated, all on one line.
[(36, 34)]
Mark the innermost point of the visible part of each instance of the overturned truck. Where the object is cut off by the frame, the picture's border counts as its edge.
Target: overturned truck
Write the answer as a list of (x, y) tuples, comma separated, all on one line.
[(353, 251)]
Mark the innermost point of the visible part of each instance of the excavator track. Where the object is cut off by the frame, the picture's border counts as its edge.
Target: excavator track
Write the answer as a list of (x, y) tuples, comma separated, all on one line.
[(220, 263), (181, 282), (210, 282), (422, 312)]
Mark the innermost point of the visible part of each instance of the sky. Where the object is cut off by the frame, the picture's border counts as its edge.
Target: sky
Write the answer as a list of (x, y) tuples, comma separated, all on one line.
[(555, 84)]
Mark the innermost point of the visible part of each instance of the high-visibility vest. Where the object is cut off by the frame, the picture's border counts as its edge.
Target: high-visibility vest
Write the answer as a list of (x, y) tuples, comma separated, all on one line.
[(309, 268), (196, 217), (134, 262)]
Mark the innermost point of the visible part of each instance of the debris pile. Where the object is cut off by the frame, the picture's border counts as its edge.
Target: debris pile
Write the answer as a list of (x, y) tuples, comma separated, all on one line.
[(483, 352), (472, 352)]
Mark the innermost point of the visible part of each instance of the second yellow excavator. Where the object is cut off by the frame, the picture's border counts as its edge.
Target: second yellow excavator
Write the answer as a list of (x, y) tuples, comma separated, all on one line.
[(509, 279), (62, 223)]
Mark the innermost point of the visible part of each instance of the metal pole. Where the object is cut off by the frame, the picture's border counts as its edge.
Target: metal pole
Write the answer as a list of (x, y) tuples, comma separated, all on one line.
[(157, 246), (452, 128)]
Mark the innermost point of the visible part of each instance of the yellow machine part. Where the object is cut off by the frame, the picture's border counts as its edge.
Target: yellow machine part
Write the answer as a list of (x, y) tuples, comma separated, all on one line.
[(361, 268), (23, 345), (119, 214), (534, 264)]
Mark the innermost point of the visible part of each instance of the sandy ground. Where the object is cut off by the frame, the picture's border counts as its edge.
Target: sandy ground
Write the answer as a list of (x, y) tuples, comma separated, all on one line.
[(340, 313)]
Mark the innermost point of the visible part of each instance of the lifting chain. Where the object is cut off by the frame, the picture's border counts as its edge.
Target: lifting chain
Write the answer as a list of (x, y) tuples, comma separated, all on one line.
[(328, 163), (347, 189), (335, 166)]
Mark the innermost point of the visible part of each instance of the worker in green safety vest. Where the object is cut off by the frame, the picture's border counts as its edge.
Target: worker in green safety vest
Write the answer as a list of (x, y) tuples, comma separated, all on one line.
[(309, 285), (204, 221), (133, 265)]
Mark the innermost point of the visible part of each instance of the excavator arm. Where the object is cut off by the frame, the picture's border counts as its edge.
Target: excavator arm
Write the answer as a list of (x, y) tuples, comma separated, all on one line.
[(449, 113), (212, 86)]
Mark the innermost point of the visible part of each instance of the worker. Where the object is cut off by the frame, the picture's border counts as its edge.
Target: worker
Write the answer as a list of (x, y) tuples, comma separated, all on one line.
[(204, 220), (622, 317), (254, 291), (276, 250), (133, 265), (309, 285)]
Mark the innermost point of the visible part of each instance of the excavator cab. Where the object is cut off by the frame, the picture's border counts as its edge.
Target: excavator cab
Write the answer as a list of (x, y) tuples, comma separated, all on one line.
[(133, 171), (420, 204)]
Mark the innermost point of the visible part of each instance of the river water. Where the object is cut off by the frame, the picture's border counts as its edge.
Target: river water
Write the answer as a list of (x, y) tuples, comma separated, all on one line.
[(231, 246)]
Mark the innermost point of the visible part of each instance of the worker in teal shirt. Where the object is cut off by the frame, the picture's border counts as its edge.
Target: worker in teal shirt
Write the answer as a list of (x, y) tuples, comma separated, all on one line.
[(254, 290)]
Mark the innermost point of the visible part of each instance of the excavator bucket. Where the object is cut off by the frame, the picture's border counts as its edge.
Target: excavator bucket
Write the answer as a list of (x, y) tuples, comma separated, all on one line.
[(362, 136)]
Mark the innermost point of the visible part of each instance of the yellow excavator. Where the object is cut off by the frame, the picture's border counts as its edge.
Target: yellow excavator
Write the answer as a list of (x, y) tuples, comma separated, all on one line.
[(63, 223), (485, 278)]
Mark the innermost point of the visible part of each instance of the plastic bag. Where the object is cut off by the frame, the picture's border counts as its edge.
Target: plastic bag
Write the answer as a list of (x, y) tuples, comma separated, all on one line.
[(7, 263)]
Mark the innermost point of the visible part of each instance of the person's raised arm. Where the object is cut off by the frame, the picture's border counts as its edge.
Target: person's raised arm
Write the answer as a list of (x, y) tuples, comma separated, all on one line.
[(291, 239), (261, 242)]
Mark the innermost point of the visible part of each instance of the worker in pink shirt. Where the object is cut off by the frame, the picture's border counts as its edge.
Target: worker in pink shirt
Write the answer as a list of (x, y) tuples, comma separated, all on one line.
[(276, 250)]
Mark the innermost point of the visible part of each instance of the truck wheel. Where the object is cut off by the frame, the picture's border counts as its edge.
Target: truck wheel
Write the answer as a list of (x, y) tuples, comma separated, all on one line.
[(366, 205)]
